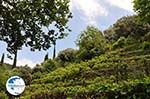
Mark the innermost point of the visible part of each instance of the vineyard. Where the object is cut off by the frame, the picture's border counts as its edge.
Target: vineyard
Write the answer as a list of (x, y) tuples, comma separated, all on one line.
[(116, 75), (112, 63)]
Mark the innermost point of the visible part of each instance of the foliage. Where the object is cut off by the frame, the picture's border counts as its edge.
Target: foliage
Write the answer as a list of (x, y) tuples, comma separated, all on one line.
[(91, 43), (147, 37), (22, 23), (104, 65), (114, 74), (37, 75), (24, 72), (146, 45), (38, 68), (94, 71), (142, 7), (49, 65), (67, 55), (127, 26), (119, 43), (46, 67), (3, 95), (2, 78), (125, 89)]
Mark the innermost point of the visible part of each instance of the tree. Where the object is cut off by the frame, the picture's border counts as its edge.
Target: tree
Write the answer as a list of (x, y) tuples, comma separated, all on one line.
[(54, 51), (22, 23), (67, 55), (2, 59), (46, 57), (91, 43), (127, 26), (142, 7)]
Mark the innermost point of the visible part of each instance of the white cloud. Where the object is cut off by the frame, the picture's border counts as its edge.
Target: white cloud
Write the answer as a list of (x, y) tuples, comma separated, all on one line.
[(23, 62), (123, 4), (91, 9)]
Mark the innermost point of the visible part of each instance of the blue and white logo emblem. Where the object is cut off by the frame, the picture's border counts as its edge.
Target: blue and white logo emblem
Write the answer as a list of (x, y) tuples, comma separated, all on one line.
[(15, 85)]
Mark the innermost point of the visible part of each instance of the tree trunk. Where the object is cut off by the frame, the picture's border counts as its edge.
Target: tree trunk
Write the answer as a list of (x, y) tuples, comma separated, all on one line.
[(54, 51), (2, 59), (46, 57), (15, 60)]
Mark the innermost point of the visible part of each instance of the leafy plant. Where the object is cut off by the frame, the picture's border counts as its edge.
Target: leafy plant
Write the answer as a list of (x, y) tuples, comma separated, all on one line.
[(146, 45)]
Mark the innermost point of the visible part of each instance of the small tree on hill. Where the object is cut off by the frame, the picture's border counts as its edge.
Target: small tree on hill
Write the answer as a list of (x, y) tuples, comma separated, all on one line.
[(91, 43)]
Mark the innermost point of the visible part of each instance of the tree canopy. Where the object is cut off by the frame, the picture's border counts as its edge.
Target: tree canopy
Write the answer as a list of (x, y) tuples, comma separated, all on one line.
[(142, 7), (22, 23), (127, 26), (67, 55), (91, 43)]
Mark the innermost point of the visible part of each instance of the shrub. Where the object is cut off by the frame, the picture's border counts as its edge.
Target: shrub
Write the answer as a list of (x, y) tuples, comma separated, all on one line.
[(91, 43), (3, 78), (23, 72), (3, 95), (67, 55), (147, 37), (146, 45), (37, 75), (38, 68), (119, 43), (49, 65)]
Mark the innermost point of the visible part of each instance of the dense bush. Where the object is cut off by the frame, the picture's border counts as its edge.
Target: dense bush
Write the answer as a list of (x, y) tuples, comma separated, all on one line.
[(3, 77), (23, 72), (120, 43), (49, 65), (67, 55), (103, 89), (91, 43), (127, 26), (147, 37), (38, 68), (146, 45), (3, 95)]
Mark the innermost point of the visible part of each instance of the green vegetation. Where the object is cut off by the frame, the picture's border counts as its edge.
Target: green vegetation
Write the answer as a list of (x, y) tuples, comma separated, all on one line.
[(116, 70), (22, 23), (127, 26), (142, 8), (114, 64), (91, 43)]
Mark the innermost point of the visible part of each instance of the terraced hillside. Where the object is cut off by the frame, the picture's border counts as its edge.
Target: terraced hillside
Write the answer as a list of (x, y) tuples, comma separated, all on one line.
[(119, 74), (114, 64)]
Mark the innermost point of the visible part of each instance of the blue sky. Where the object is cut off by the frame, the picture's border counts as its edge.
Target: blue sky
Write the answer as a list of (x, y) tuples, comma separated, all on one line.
[(99, 13)]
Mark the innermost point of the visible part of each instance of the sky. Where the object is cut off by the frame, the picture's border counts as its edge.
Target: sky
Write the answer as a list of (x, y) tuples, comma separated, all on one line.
[(99, 13)]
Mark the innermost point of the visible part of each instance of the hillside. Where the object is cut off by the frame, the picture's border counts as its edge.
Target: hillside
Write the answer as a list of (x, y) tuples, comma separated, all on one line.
[(113, 64), (104, 62), (122, 73), (98, 70), (119, 74)]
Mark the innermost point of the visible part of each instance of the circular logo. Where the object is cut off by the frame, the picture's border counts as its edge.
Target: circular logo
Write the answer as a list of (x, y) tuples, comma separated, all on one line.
[(15, 85)]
